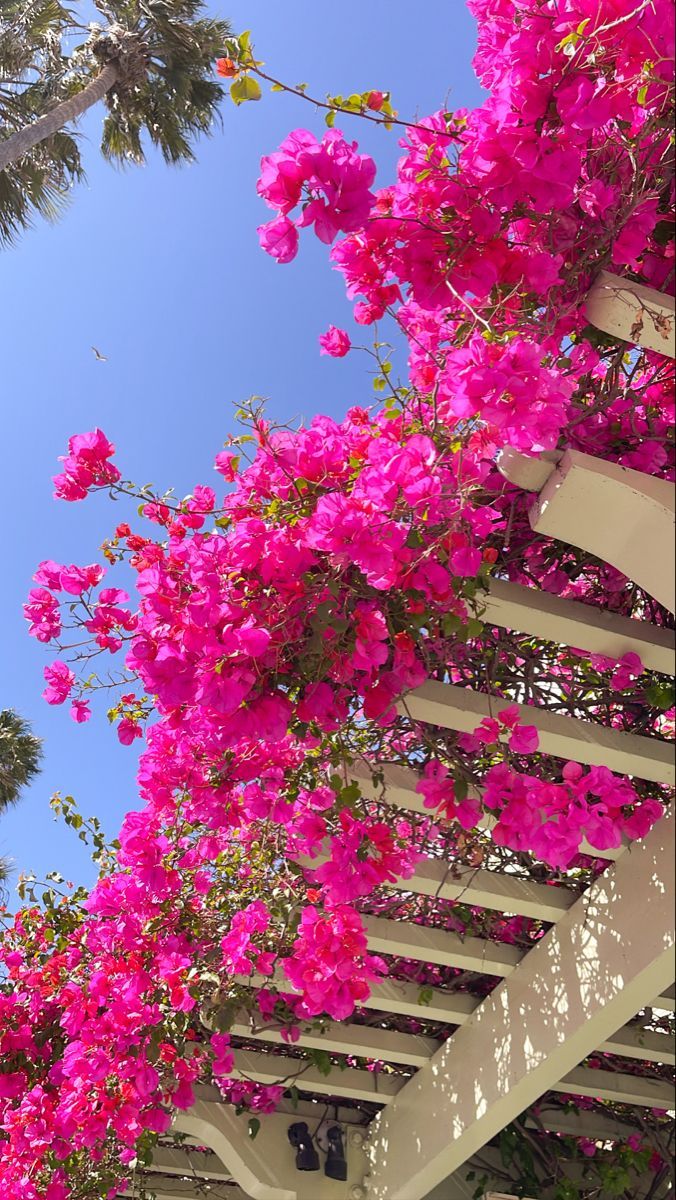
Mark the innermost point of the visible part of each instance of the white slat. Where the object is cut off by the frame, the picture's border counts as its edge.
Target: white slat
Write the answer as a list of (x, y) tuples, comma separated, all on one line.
[(406, 940), (394, 996), (620, 1088), (480, 888), (646, 1045), (666, 999), (570, 623), (363, 1040), (400, 789), (462, 709), (378, 1087), (488, 889)]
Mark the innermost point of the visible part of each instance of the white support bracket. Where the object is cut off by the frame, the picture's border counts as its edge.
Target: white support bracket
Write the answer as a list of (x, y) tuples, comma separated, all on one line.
[(633, 312), (594, 970), (265, 1168), (623, 517)]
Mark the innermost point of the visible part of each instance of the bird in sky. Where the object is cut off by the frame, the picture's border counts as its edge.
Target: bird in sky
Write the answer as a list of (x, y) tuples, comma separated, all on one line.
[(98, 355)]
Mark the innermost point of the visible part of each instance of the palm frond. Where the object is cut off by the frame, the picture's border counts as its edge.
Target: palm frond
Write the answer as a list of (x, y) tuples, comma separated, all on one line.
[(20, 756)]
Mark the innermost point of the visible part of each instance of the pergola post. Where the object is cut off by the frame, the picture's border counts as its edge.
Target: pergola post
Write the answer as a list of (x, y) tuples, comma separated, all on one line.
[(606, 959)]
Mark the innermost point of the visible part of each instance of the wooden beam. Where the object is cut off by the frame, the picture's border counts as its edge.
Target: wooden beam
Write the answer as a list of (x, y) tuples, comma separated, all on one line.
[(589, 975), (377, 1087), (632, 312), (494, 890), (666, 999), (586, 1123), (394, 996), (646, 1045), (487, 889), (366, 1041), (184, 1160), (406, 940), (569, 623), (587, 742), (624, 517), (399, 789), (620, 1088)]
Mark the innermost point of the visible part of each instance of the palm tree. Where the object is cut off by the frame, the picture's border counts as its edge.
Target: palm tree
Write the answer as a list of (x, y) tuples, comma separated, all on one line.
[(32, 70), (152, 64), (20, 755)]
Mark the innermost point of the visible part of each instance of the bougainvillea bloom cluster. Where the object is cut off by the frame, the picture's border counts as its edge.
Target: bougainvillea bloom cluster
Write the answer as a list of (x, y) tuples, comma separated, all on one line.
[(279, 619)]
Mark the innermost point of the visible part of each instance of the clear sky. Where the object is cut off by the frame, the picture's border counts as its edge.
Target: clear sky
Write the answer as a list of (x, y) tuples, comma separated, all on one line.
[(160, 269)]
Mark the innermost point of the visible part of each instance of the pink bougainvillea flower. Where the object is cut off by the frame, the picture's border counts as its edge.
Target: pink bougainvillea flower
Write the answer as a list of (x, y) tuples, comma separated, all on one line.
[(334, 342), (279, 239), (226, 464), (60, 680), (80, 711)]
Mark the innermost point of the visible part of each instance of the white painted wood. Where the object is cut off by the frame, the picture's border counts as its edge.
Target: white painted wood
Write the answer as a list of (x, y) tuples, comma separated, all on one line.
[(527, 471), (587, 977), (399, 788), (587, 742), (618, 1087), (585, 1123), (187, 1161), (250, 1162), (624, 517), (488, 889), (265, 1167), (632, 1041), (394, 996), (366, 1041), (646, 1045), (378, 1087), (197, 1192), (666, 999), (632, 312), (481, 888), (569, 623), (406, 940)]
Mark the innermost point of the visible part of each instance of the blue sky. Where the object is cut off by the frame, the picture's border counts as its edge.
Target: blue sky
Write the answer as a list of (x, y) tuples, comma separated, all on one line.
[(160, 268)]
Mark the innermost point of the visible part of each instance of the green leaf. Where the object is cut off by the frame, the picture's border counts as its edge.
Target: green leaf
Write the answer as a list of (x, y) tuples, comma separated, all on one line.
[(254, 1126), (245, 88), (330, 118), (322, 1061), (642, 94), (425, 995), (661, 695)]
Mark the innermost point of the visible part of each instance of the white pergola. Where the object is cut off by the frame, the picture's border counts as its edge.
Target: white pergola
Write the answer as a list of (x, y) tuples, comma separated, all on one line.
[(608, 955)]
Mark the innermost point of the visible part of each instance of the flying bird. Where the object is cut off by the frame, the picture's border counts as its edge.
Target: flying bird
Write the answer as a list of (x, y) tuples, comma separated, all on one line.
[(98, 355)]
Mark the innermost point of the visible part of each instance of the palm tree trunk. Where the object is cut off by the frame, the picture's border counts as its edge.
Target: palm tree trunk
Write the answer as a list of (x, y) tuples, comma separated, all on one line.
[(19, 143)]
